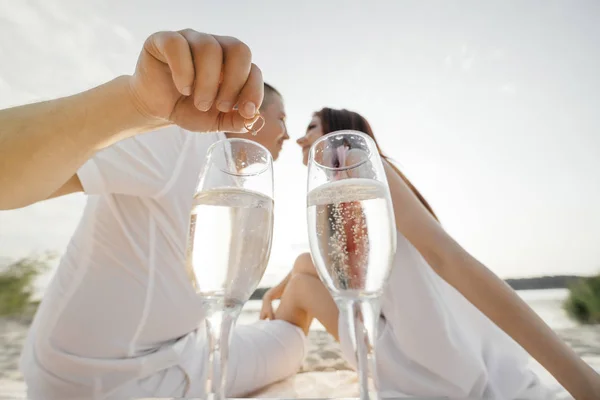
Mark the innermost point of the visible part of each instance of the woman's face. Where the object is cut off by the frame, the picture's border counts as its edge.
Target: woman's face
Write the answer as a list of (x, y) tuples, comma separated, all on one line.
[(313, 132)]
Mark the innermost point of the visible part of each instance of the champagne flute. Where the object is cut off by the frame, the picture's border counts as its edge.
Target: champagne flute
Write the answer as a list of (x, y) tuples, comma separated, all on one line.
[(352, 236), (229, 242)]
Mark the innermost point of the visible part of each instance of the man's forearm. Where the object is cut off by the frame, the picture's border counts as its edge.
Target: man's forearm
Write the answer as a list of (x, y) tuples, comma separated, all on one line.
[(42, 145)]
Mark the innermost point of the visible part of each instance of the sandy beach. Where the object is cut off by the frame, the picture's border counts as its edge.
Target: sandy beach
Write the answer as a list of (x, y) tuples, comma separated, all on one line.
[(324, 369)]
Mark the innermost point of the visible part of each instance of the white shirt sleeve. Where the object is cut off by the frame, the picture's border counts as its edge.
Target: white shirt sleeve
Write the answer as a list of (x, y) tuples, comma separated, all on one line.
[(139, 166)]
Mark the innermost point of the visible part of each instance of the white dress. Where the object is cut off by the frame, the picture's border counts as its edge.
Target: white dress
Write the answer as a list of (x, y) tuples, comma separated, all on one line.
[(433, 342)]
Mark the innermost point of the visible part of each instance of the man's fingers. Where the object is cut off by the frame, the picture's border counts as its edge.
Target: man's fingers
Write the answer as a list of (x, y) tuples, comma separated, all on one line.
[(237, 61), (216, 75), (208, 60), (251, 96), (235, 123), (172, 49)]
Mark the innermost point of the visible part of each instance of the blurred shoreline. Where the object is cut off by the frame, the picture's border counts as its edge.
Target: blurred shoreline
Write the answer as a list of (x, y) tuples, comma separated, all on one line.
[(274, 275), (519, 284)]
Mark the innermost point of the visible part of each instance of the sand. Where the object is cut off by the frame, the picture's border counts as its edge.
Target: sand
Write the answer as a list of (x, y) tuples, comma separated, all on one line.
[(323, 374)]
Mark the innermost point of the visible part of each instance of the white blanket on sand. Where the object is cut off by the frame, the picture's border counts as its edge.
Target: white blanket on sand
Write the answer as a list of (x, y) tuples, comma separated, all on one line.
[(344, 384), (331, 384)]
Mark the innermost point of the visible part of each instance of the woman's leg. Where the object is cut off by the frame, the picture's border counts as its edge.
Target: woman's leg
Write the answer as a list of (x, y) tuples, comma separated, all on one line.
[(306, 297), (304, 265), (268, 351)]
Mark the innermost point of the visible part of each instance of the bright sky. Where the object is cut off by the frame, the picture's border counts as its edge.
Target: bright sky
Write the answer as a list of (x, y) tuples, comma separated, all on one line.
[(489, 107)]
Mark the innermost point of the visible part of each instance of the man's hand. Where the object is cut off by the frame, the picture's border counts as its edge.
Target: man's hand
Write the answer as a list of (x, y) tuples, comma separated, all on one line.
[(201, 82)]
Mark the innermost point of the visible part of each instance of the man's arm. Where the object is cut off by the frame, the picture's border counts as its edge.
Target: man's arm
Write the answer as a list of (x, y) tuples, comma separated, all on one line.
[(42, 145)]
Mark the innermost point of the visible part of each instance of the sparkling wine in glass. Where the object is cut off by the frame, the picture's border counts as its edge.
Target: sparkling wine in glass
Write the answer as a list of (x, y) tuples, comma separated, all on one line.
[(229, 242), (352, 236)]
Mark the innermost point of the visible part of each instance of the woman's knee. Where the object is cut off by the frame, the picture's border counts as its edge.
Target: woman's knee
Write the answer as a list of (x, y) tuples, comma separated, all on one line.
[(304, 265)]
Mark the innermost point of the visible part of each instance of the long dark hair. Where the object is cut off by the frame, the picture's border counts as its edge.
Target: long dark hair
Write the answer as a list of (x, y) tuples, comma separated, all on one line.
[(337, 120)]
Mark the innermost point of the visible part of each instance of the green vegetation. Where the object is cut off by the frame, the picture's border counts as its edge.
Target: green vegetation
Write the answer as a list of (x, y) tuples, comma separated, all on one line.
[(583, 303), (17, 288)]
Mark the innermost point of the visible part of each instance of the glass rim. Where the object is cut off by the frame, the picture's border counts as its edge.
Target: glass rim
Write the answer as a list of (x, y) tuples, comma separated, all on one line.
[(241, 140), (336, 133)]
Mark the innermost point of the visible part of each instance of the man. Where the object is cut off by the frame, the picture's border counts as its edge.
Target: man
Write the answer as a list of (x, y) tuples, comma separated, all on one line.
[(119, 318), (186, 78), (274, 131)]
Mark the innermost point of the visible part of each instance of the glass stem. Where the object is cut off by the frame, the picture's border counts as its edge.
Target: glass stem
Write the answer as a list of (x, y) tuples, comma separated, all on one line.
[(219, 327), (362, 319)]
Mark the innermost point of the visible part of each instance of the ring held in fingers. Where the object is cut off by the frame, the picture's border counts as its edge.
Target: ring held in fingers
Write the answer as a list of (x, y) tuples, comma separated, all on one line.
[(255, 124)]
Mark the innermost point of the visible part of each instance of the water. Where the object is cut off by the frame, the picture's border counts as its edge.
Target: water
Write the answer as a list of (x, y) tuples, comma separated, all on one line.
[(229, 249), (547, 303), (352, 235)]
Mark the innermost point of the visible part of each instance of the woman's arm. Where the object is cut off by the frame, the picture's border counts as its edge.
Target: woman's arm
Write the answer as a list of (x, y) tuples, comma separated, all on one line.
[(488, 293), (277, 291), (274, 293)]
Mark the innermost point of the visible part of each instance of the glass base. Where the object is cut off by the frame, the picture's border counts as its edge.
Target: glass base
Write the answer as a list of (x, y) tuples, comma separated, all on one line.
[(221, 317), (362, 317)]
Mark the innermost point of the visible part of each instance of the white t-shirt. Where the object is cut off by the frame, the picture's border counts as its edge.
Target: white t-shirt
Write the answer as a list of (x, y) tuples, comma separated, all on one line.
[(131, 239)]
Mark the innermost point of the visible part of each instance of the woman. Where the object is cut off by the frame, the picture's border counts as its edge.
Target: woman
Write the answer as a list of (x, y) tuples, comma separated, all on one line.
[(435, 338)]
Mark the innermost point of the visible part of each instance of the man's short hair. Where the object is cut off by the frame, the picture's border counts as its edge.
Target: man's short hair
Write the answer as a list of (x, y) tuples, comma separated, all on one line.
[(270, 91)]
